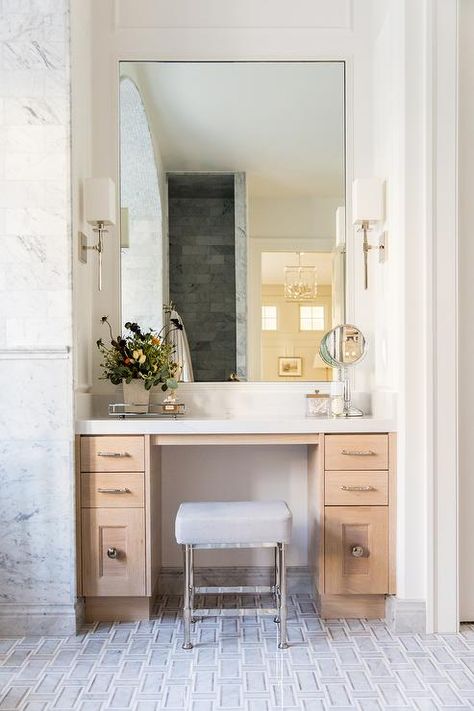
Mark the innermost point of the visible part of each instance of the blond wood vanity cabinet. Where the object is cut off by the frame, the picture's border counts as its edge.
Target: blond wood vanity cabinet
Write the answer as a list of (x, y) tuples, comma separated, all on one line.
[(120, 515), (357, 524), (351, 518)]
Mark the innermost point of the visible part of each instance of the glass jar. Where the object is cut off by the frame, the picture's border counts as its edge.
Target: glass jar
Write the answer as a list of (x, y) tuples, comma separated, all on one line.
[(318, 404)]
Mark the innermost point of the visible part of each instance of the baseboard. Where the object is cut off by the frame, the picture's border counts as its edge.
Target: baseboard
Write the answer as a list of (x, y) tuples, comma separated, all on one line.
[(171, 579), (23, 619), (405, 615)]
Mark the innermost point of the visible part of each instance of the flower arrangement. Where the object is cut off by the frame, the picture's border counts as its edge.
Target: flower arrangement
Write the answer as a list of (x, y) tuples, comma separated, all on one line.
[(144, 355)]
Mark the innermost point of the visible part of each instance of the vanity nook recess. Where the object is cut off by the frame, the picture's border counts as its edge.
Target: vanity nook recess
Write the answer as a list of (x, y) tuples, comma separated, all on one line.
[(232, 209)]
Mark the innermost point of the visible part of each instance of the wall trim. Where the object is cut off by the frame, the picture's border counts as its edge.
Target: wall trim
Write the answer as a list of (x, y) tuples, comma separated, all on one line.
[(24, 619), (335, 16), (443, 308), (28, 353), (405, 615)]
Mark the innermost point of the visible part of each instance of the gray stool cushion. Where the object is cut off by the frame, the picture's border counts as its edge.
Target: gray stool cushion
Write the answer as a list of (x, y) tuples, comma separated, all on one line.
[(207, 522)]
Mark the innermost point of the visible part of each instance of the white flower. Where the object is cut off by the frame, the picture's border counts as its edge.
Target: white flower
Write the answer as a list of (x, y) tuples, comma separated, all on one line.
[(142, 359)]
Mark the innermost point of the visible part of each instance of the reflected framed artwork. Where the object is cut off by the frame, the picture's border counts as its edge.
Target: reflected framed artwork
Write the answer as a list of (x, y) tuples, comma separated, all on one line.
[(290, 367)]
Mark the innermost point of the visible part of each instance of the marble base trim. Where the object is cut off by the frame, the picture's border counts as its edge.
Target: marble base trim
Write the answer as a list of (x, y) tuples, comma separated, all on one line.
[(35, 353), (171, 579), (405, 615), (23, 619)]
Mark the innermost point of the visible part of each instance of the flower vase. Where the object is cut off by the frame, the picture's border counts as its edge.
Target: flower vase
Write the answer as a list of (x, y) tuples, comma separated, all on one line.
[(134, 393)]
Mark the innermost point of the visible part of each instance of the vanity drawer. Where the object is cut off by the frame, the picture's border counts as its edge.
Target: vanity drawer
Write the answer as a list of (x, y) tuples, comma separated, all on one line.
[(356, 550), (112, 454), (356, 452), (354, 488), (113, 490), (113, 552)]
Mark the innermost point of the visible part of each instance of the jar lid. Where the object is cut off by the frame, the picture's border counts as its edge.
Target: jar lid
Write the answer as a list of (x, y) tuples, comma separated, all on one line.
[(317, 395)]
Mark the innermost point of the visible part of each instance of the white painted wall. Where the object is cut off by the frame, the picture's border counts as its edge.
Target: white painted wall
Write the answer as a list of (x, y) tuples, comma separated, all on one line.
[(336, 30), (293, 217), (466, 315), (390, 48), (399, 327)]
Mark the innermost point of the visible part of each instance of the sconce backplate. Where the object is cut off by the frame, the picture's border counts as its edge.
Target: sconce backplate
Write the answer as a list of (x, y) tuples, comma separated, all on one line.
[(82, 247)]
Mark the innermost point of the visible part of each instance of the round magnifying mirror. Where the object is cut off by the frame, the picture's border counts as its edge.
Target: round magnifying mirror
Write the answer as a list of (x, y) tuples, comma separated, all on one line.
[(343, 347)]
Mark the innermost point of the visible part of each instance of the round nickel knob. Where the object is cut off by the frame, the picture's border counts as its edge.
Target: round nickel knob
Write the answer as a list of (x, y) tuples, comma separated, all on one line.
[(357, 551), (112, 552)]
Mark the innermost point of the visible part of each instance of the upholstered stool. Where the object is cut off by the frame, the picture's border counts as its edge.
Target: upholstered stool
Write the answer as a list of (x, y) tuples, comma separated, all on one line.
[(235, 524)]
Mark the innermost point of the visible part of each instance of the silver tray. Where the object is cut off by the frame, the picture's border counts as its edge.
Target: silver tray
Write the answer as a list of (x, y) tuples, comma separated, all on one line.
[(156, 410)]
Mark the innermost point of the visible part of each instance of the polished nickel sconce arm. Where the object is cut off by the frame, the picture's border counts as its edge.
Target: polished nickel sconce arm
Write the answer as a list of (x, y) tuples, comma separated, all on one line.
[(365, 227), (98, 247)]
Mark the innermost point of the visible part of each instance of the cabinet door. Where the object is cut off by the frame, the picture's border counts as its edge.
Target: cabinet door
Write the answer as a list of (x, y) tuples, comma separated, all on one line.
[(356, 550), (113, 552)]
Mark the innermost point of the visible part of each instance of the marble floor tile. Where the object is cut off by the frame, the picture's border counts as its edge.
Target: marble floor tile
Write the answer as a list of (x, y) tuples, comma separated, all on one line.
[(235, 664)]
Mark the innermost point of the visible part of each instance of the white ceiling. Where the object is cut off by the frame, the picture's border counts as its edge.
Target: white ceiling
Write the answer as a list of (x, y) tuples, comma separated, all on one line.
[(274, 263), (281, 123)]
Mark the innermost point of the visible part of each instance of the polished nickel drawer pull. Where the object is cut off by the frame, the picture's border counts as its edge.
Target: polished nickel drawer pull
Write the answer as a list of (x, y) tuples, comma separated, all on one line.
[(357, 551), (345, 487), (114, 491), (112, 454), (358, 453)]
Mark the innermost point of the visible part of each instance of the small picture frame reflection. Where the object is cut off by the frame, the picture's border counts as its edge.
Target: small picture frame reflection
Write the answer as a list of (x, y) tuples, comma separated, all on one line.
[(290, 367)]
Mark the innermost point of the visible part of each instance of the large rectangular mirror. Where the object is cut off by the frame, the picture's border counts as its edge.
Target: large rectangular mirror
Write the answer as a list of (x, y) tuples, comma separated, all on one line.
[(232, 178)]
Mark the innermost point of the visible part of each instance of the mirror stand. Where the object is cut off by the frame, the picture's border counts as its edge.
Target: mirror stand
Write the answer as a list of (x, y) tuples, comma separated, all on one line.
[(348, 410)]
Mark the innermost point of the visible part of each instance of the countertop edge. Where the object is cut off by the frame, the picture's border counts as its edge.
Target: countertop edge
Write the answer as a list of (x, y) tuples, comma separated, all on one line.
[(191, 426)]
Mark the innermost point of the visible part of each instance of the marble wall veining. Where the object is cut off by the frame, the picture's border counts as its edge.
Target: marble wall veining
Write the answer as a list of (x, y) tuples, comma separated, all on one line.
[(37, 560)]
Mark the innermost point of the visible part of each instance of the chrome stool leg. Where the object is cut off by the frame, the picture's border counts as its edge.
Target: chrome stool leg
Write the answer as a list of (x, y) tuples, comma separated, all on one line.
[(187, 596), (283, 637), (277, 582), (191, 582)]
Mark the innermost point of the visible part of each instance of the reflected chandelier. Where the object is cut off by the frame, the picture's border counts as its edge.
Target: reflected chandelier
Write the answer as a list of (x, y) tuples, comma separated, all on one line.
[(300, 282)]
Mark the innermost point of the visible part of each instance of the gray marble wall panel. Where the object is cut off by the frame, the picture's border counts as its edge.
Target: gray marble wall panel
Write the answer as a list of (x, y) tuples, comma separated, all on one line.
[(37, 559), (241, 251), (202, 280)]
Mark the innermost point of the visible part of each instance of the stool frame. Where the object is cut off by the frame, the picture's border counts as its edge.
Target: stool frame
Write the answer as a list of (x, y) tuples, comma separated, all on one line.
[(278, 589)]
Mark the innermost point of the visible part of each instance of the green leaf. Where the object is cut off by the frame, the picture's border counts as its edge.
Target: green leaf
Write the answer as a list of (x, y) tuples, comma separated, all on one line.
[(172, 383)]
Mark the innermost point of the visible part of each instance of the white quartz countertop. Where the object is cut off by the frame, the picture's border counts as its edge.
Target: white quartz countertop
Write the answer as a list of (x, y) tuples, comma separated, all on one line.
[(209, 425)]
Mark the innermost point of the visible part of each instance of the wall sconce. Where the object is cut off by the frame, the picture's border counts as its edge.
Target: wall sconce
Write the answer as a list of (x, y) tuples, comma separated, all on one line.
[(368, 208), (99, 210)]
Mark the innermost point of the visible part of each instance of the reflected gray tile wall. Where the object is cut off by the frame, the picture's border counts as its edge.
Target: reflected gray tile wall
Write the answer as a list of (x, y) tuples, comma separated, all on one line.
[(202, 275), (241, 251)]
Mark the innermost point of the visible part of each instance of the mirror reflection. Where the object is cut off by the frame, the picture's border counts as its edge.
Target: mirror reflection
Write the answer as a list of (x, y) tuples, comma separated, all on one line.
[(232, 210)]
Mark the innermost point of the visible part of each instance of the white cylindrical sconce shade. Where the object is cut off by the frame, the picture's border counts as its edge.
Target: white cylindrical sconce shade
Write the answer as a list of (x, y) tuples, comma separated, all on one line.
[(367, 200), (99, 201)]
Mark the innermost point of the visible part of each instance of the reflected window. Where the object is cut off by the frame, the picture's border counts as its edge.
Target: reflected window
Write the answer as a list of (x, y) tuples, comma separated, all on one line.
[(312, 318), (269, 318)]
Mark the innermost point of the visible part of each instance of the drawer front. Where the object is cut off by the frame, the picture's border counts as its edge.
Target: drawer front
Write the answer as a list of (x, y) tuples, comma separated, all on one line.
[(354, 488), (112, 454), (112, 490), (113, 552), (356, 550), (356, 452)]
